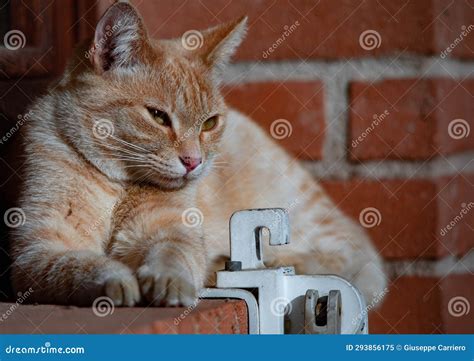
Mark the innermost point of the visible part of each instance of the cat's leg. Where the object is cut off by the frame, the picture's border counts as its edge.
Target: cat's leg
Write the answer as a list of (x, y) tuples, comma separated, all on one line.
[(171, 274), (66, 276), (169, 257)]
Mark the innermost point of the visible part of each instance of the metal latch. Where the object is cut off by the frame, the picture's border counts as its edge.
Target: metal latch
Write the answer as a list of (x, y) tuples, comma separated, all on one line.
[(278, 300), (322, 314)]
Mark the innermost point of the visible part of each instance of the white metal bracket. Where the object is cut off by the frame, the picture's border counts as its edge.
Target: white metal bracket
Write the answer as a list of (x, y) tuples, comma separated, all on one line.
[(278, 300)]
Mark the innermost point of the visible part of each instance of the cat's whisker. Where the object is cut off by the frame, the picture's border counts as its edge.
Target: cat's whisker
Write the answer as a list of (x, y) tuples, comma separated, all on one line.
[(144, 178), (157, 160), (128, 143), (128, 160), (137, 166), (119, 149), (114, 154), (161, 165), (219, 165), (126, 156), (124, 151), (134, 148)]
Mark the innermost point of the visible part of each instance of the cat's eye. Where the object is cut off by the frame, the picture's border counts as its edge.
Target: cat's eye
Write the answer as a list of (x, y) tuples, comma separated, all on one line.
[(160, 116), (210, 123)]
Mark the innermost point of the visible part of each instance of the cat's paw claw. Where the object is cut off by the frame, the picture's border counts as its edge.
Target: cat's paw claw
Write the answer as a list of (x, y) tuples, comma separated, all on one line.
[(123, 291), (166, 288)]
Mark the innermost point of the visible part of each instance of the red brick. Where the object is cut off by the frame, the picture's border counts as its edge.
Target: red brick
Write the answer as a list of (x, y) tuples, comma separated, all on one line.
[(420, 305), (451, 22), (416, 124), (227, 318), (328, 29), (456, 211), (412, 305), (413, 214), (300, 103), (210, 316), (458, 303)]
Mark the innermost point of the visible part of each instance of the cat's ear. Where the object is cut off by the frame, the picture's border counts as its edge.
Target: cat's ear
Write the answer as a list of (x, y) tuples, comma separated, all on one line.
[(219, 43), (120, 39)]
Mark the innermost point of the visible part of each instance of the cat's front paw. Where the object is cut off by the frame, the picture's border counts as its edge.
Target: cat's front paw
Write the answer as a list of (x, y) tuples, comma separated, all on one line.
[(167, 286), (119, 284), (122, 291)]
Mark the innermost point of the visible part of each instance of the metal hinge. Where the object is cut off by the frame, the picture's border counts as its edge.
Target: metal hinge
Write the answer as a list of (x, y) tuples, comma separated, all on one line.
[(278, 300)]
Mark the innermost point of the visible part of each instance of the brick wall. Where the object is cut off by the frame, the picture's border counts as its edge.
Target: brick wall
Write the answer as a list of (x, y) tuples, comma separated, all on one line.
[(379, 111), (382, 114)]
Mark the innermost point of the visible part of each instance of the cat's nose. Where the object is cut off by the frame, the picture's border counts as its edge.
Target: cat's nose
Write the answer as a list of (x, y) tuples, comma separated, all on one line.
[(190, 163)]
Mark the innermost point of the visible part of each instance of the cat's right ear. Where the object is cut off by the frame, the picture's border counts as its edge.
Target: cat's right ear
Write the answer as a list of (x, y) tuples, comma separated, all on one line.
[(120, 39)]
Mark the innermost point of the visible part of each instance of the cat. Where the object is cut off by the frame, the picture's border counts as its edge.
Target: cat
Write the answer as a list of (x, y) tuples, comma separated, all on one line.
[(134, 165)]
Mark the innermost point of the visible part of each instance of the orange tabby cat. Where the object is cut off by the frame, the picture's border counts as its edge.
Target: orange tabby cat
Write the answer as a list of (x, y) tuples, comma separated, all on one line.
[(135, 164)]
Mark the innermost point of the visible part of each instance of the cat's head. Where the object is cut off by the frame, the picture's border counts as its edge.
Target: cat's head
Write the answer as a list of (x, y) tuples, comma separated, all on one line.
[(154, 109)]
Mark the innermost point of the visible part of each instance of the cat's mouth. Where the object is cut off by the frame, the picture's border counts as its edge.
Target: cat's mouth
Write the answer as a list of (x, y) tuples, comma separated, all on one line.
[(172, 182), (163, 179)]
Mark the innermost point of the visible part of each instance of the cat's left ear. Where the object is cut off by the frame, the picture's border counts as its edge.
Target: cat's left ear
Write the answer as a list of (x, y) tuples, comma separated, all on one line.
[(120, 40), (219, 43)]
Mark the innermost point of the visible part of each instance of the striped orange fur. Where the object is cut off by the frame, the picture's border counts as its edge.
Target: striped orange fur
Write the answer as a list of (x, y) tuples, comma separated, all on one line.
[(134, 135)]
